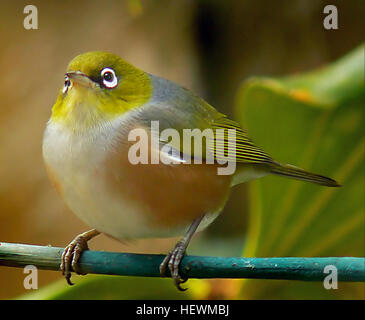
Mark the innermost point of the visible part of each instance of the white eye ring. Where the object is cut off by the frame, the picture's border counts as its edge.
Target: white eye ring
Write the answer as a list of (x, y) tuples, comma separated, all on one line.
[(67, 85), (110, 80)]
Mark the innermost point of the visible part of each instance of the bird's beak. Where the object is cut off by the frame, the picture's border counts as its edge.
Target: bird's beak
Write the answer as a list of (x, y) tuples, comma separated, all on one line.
[(79, 78)]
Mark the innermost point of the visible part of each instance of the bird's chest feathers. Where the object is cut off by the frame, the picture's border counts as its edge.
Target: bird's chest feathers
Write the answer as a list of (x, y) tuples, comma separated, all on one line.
[(76, 165), (73, 157)]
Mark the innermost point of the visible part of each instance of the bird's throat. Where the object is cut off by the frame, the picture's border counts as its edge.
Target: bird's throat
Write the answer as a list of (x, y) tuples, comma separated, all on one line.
[(84, 108)]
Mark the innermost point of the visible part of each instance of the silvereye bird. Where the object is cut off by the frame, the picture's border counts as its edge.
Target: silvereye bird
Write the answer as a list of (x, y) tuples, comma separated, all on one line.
[(86, 147)]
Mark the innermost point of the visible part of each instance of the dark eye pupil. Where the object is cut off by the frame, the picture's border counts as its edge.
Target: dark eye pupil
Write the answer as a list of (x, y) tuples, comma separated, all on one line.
[(108, 76), (67, 83)]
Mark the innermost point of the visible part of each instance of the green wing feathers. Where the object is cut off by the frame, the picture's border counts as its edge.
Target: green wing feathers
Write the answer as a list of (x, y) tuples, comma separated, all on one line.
[(244, 151), (238, 147)]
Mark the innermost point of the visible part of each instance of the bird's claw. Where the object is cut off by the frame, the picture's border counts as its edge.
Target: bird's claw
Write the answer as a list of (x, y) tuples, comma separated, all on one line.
[(71, 256), (172, 262)]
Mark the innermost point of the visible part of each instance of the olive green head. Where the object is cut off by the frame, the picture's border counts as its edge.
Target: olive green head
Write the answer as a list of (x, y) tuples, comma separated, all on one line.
[(99, 86)]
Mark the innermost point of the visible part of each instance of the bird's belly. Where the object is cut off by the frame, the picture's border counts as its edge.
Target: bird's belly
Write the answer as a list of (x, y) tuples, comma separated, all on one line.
[(123, 216), (89, 198), (75, 169), (131, 201)]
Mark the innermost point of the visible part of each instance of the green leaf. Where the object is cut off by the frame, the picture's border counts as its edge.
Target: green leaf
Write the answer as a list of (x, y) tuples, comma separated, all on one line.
[(314, 121)]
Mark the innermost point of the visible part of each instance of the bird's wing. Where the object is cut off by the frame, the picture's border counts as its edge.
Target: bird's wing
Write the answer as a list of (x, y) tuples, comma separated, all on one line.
[(228, 142), (176, 107), (237, 146)]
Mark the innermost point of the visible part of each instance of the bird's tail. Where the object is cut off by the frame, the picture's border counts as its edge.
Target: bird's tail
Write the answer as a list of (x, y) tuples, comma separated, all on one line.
[(290, 171)]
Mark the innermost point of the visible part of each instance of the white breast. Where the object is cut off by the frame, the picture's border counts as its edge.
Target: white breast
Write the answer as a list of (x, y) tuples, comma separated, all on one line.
[(75, 160)]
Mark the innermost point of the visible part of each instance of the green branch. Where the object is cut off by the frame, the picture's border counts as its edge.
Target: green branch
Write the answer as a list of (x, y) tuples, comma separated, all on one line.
[(147, 265)]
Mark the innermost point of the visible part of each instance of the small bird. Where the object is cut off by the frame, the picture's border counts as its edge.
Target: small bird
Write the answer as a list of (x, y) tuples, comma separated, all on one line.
[(86, 149)]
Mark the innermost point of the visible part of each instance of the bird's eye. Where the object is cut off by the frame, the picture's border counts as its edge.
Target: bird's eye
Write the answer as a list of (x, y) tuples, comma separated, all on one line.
[(67, 85), (110, 80)]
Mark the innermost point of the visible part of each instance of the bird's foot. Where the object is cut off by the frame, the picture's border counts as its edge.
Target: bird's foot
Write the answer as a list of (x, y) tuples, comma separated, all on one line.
[(71, 256), (172, 262)]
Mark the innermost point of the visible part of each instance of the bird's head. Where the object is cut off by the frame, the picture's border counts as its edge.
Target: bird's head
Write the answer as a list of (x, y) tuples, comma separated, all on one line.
[(99, 87)]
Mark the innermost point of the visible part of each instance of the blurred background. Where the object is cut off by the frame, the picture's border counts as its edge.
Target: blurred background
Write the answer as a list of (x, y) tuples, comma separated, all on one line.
[(210, 47)]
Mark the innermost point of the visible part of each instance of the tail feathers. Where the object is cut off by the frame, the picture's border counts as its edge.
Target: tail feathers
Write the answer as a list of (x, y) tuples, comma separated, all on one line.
[(290, 171)]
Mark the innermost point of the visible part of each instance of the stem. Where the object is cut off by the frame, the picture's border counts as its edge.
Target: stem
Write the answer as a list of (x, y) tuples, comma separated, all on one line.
[(147, 265)]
